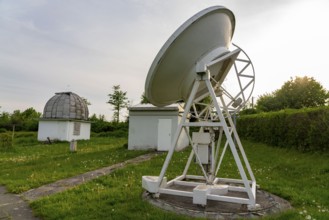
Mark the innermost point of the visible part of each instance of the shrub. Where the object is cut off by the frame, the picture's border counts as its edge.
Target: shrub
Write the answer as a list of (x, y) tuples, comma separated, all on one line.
[(115, 133), (26, 138), (305, 129), (5, 141), (98, 126)]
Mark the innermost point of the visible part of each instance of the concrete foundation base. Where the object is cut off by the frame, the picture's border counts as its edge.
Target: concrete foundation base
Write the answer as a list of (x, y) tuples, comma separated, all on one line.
[(269, 205)]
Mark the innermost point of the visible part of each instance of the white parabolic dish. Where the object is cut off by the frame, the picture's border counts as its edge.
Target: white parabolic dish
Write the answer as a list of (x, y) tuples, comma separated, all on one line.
[(202, 38)]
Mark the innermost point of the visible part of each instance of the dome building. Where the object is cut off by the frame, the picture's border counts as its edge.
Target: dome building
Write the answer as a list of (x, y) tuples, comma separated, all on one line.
[(65, 118)]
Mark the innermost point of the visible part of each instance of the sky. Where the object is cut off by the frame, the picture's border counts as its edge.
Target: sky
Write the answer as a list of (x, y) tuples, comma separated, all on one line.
[(87, 46)]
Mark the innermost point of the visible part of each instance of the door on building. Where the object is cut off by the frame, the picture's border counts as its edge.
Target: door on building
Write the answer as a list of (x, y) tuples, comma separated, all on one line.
[(164, 134)]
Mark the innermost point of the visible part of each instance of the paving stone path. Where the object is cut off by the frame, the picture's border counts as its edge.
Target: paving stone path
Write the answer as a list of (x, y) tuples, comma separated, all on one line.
[(15, 207), (12, 206)]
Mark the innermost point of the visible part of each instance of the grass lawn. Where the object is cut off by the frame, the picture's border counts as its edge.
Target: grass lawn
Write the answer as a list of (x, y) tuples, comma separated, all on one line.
[(29, 164), (301, 178)]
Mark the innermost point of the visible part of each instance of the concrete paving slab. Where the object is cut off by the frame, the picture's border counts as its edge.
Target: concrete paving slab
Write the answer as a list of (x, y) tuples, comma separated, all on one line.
[(269, 205), (13, 207)]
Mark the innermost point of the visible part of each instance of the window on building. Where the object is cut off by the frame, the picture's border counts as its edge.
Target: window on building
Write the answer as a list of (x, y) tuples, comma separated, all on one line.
[(76, 129)]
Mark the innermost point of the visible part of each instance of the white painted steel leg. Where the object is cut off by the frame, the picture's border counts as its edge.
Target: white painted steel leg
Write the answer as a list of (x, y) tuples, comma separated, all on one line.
[(238, 141), (187, 166), (221, 158), (231, 142), (179, 129)]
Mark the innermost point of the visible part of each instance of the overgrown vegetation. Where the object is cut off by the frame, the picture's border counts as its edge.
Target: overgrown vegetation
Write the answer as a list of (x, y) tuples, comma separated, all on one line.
[(304, 130), (288, 173)]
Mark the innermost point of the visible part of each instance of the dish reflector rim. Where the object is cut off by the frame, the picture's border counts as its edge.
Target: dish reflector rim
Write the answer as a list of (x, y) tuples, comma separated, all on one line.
[(155, 64)]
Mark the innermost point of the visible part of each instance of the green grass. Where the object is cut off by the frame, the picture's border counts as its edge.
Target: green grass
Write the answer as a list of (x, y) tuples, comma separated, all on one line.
[(115, 196), (29, 164), (301, 178)]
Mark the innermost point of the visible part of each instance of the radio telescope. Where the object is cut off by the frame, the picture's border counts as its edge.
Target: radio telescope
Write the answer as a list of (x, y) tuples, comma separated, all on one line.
[(199, 61)]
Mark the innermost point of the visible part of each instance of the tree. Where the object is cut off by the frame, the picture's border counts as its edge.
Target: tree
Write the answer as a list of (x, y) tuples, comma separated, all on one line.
[(31, 114), (144, 99), (268, 102), (86, 101), (249, 108), (5, 121), (301, 92), (18, 121), (119, 100), (99, 124), (30, 119)]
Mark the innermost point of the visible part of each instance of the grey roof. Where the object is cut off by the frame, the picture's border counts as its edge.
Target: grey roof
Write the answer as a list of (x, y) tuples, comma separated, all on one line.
[(66, 105)]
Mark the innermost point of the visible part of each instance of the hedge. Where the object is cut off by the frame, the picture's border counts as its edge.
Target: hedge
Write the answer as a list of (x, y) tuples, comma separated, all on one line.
[(304, 129)]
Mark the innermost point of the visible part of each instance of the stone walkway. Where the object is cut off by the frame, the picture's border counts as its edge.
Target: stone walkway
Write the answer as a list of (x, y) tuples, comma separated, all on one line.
[(12, 206), (15, 207)]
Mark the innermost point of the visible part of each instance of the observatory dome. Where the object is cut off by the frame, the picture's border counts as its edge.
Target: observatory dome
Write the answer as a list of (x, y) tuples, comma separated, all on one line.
[(66, 105)]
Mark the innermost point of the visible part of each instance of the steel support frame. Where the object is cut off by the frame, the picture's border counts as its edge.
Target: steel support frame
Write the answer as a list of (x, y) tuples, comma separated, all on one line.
[(247, 186)]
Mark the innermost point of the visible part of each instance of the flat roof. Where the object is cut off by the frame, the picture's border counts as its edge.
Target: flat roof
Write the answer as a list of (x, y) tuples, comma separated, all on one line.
[(150, 107)]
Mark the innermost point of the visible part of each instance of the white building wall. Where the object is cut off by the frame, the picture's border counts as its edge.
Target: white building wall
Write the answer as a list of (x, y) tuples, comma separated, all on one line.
[(143, 132), (143, 129), (55, 130), (85, 131), (62, 130)]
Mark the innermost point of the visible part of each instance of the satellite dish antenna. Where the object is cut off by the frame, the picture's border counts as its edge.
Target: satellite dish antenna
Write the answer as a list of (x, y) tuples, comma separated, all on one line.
[(196, 62)]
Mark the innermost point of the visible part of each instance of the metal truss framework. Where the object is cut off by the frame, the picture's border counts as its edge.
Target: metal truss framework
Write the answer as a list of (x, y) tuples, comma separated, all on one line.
[(214, 117)]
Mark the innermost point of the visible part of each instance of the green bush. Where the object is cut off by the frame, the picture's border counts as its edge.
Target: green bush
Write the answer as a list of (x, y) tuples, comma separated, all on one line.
[(5, 141), (305, 129), (115, 133), (26, 134), (99, 126), (26, 138)]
